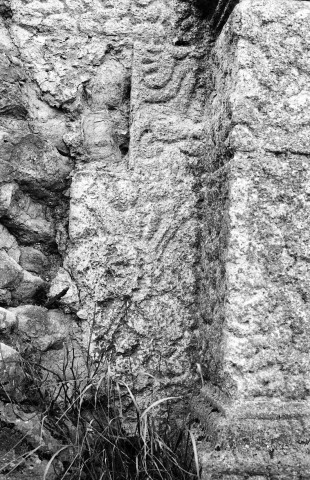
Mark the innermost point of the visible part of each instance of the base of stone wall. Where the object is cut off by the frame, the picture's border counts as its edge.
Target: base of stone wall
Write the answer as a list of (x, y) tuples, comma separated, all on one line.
[(254, 465), (256, 439)]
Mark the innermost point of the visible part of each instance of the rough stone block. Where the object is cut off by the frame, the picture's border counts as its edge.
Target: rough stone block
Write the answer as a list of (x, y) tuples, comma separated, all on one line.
[(11, 374), (10, 272), (64, 290), (109, 87), (9, 244), (98, 135), (257, 245), (5, 296), (29, 286), (30, 221), (7, 320), (45, 329), (38, 166), (33, 260), (12, 103)]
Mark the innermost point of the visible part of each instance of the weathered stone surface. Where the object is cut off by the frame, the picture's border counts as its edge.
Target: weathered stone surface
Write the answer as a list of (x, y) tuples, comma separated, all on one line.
[(40, 328), (185, 225), (64, 290), (5, 296), (134, 219), (5, 8), (10, 272), (7, 320), (11, 77), (30, 221), (11, 374), (29, 286), (18, 285), (68, 364), (9, 244), (20, 431), (33, 260), (256, 246), (30, 426), (35, 171), (36, 164)]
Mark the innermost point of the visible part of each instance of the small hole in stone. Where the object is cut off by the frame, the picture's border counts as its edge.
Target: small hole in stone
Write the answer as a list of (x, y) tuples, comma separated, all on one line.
[(124, 149), (181, 43)]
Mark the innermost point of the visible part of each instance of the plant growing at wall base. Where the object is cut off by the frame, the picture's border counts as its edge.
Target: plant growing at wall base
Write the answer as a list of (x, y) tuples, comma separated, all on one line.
[(90, 415)]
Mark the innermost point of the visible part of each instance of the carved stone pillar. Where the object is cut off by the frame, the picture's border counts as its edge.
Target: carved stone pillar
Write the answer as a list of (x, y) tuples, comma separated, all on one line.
[(134, 215)]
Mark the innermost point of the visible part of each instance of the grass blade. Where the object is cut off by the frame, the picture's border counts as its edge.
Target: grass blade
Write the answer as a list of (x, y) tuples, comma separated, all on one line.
[(53, 458), (158, 402), (195, 454)]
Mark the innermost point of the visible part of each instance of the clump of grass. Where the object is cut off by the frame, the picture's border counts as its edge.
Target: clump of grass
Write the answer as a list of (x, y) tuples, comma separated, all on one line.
[(90, 414)]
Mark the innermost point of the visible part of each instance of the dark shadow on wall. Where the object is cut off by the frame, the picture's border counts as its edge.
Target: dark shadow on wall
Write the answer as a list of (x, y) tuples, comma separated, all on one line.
[(217, 11)]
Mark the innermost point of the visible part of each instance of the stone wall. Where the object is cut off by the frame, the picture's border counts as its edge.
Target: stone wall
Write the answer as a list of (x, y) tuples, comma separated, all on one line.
[(256, 246), (103, 142), (153, 209)]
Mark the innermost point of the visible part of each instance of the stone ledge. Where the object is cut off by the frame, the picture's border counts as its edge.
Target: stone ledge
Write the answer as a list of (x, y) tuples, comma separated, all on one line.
[(260, 440), (253, 465)]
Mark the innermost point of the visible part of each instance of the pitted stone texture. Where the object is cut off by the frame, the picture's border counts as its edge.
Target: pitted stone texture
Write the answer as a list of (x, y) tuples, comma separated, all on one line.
[(7, 320), (256, 245), (134, 224), (77, 57), (267, 211), (9, 244), (131, 256), (65, 290), (31, 221), (38, 166), (21, 432), (10, 271), (12, 376), (40, 328), (34, 171), (63, 64), (18, 285), (29, 286), (33, 260)]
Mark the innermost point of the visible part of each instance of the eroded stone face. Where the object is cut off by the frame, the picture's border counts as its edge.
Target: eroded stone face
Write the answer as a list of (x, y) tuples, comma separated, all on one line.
[(256, 244), (153, 200), (101, 144)]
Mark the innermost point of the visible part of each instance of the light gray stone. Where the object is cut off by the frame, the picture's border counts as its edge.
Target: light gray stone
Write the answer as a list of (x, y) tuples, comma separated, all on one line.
[(7, 320), (64, 290), (255, 341), (9, 244), (108, 88), (10, 272)]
